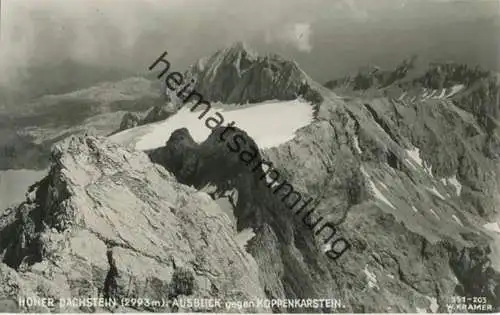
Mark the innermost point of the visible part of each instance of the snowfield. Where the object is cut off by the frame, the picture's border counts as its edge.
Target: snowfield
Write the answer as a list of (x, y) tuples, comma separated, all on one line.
[(269, 124)]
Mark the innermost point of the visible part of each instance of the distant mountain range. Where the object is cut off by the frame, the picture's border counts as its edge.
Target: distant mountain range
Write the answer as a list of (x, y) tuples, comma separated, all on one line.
[(58, 78), (405, 160)]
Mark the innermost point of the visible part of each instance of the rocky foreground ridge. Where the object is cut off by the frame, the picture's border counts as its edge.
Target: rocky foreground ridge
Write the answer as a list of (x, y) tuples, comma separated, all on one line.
[(99, 197)]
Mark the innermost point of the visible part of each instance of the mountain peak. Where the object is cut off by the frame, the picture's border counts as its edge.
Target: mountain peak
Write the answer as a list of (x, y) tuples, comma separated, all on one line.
[(238, 75), (237, 50), (239, 46)]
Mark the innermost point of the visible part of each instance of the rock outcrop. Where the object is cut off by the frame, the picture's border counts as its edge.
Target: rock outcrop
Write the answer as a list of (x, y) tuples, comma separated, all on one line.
[(159, 113), (155, 114), (106, 222)]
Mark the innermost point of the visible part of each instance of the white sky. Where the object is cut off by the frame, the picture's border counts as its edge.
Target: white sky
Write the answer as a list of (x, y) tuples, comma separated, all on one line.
[(327, 37)]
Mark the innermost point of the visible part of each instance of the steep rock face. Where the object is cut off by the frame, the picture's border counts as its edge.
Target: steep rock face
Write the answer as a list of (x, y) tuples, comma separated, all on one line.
[(407, 183), (107, 222), (235, 75), (450, 114)]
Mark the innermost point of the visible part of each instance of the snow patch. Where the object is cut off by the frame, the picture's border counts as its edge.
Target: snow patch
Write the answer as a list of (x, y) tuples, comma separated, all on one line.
[(214, 69), (414, 154), (356, 144), (435, 192), (457, 219), (428, 169), (434, 304), (269, 124), (453, 181), (443, 93), (371, 278), (492, 226), (435, 214), (378, 193), (383, 185), (455, 89), (326, 247), (415, 157)]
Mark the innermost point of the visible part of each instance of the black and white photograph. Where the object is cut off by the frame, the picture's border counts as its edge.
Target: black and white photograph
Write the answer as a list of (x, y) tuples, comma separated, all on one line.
[(250, 156)]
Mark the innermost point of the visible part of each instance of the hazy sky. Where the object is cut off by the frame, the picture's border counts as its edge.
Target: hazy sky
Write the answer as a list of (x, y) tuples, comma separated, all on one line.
[(327, 37)]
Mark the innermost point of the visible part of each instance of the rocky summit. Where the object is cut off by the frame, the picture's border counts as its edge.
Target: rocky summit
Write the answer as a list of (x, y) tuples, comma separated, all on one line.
[(100, 199), (406, 165), (237, 75)]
